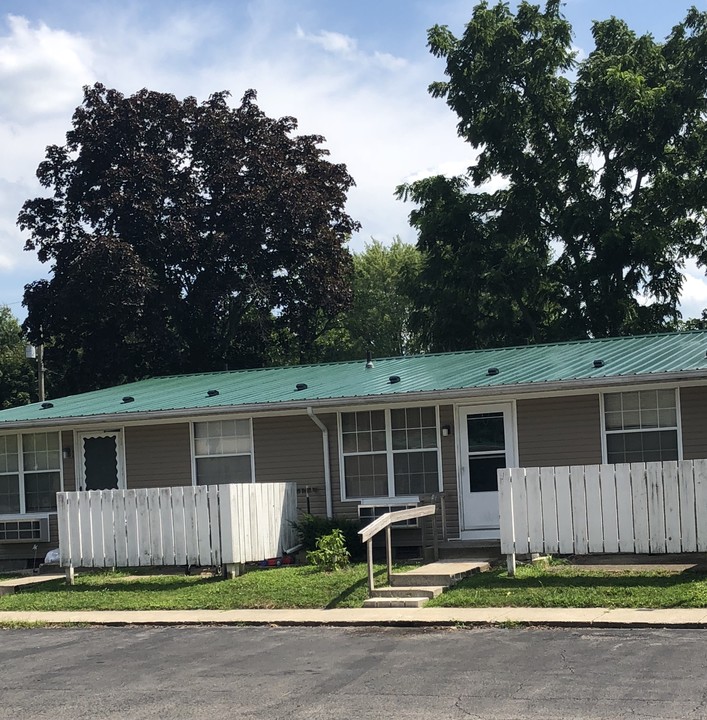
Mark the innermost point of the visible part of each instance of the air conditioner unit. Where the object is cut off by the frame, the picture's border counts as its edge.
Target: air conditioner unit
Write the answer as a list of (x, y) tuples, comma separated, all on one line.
[(24, 529), (370, 510)]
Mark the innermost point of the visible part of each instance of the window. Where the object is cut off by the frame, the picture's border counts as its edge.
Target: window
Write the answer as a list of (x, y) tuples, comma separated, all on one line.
[(414, 435), (641, 426), (363, 442), (222, 452), (9, 475), (30, 472), (388, 453), (41, 460)]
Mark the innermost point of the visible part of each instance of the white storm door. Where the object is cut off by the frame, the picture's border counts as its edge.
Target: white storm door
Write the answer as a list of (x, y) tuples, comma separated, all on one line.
[(101, 460), (486, 444)]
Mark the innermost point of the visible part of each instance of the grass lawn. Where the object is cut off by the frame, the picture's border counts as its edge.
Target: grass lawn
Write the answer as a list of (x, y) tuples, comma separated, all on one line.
[(285, 587), (569, 586), (557, 585)]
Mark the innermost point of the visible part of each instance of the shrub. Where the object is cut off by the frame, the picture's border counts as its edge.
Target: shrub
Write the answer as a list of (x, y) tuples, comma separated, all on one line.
[(312, 527), (331, 553)]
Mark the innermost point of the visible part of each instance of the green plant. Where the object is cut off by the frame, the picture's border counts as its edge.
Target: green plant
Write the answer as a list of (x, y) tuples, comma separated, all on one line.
[(312, 527), (331, 553)]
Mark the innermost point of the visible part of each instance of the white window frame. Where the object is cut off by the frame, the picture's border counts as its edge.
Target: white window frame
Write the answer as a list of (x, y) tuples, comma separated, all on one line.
[(388, 452), (219, 418), (21, 472), (605, 432), (80, 461)]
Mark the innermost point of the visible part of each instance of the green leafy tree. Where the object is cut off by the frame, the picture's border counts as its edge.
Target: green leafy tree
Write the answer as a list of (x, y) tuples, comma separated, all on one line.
[(385, 278), (601, 163), (699, 323), (18, 382), (482, 281), (183, 237), (379, 318)]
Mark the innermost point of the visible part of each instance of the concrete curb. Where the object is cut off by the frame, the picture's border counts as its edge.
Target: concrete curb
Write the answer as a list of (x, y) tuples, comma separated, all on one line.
[(384, 617)]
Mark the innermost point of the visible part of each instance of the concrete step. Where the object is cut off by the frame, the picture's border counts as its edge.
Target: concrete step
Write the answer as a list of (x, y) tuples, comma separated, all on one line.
[(9, 587), (412, 591), (444, 573), (464, 549), (395, 602)]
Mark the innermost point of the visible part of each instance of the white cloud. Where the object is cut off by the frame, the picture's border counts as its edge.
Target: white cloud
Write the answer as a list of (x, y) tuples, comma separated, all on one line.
[(693, 299), (388, 61), (333, 42), (40, 70), (579, 53), (347, 47)]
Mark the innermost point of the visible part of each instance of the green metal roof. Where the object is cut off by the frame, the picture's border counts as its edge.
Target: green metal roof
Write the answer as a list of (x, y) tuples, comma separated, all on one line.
[(526, 368)]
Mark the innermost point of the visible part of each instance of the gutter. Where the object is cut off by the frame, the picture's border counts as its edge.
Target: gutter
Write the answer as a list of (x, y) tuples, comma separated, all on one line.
[(327, 463)]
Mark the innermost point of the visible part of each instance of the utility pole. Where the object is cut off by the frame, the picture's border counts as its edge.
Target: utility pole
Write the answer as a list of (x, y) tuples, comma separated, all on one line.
[(32, 352), (40, 371)]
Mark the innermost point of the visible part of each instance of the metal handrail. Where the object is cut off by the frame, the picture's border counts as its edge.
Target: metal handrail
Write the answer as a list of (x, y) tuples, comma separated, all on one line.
[(383, 523)]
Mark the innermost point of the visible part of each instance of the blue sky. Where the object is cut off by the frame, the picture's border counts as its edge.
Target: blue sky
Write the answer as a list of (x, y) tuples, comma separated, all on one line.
[(355, 72)]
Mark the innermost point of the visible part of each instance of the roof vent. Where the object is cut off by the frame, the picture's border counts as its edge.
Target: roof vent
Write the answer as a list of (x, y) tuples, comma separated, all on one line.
[(394, 379), (128, 399), (211, 393), (47, 405), (301, 386), (598, 363), (369, 360), (492, 371)]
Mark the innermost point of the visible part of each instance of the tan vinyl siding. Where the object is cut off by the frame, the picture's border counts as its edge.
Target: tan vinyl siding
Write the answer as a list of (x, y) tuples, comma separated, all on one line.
[(340, 508), (559, 431), (157, 456), (289, 449), (693, 415), (449, 473), (347, 508)]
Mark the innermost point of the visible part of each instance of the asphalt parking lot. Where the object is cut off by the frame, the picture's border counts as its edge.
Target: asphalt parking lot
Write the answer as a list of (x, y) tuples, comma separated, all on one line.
[(227, 672)]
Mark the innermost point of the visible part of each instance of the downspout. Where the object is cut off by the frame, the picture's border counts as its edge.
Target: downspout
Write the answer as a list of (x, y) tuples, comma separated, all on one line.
[(327, 464)]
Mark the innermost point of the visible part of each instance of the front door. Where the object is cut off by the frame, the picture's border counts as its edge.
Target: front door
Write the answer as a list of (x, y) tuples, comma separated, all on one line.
[(101, 460), (486, 444)]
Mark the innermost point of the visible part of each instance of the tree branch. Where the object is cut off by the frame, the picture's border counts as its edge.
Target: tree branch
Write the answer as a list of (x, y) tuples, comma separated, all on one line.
[(636, 189)]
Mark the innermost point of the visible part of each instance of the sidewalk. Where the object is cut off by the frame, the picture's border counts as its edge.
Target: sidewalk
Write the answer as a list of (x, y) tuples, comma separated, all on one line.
[(408, 617)]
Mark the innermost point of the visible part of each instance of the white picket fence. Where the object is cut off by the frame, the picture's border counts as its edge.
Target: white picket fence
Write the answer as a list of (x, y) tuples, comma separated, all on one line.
[(205, 525), (628, 508)]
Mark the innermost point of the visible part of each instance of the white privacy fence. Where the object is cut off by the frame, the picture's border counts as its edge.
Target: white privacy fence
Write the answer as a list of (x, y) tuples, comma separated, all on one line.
[(205, 525), (628, 508)]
